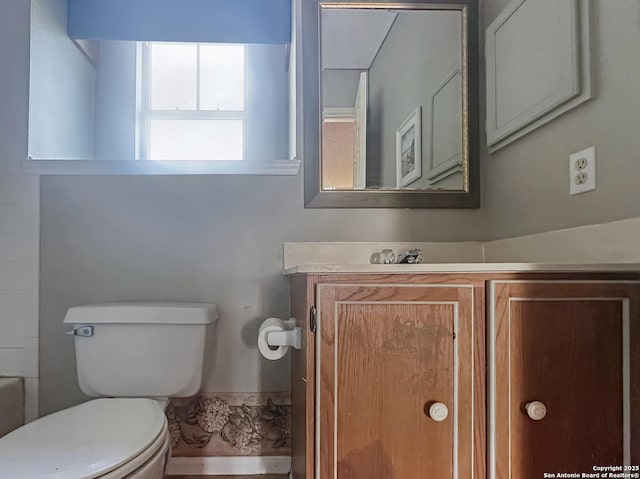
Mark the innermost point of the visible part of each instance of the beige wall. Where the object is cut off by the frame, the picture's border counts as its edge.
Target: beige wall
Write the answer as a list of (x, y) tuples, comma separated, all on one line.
[(205, 238), (526, 184)]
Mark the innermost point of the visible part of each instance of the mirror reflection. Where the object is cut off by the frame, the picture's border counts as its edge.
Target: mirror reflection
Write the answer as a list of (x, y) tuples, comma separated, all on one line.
[(126, 100), (392, 99)]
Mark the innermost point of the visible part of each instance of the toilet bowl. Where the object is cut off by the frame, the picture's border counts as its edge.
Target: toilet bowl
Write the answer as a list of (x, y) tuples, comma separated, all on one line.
[(116, 437)]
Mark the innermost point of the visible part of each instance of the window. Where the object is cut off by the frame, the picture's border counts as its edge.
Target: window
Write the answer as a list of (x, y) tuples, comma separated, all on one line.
[(193, 101)]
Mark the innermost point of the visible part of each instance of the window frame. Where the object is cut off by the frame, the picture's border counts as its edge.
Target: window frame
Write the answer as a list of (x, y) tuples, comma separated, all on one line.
[(147, 114)]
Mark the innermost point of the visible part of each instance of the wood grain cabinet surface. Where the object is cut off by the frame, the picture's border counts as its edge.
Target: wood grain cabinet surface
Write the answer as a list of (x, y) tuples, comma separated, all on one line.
[(379, 350), (568, 346)]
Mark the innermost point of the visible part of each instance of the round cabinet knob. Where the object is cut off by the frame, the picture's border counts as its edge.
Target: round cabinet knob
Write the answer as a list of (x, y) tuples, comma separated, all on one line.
[(536, 410), (438, 412)]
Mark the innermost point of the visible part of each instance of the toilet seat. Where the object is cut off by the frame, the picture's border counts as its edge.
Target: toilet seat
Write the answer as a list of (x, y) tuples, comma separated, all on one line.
[(149, 464), (103, 438)]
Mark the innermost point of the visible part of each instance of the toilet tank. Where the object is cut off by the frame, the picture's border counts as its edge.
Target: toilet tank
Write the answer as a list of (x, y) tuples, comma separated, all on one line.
[(141, 349)]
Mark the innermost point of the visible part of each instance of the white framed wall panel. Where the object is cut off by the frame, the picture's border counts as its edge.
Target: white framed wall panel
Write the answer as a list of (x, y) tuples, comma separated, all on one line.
[(538, 55), (445, 132)]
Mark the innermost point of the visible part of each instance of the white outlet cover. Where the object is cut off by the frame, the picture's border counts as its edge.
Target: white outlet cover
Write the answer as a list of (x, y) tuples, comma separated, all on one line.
[(588, 154)]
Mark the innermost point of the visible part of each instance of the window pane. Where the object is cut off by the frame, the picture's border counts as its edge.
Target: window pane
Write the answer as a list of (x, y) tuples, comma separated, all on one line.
[(196, 140), (222, 77), (174, 70)]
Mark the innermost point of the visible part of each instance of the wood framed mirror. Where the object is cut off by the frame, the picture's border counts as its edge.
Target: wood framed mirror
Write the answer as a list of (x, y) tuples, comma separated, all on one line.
[(390, 104)]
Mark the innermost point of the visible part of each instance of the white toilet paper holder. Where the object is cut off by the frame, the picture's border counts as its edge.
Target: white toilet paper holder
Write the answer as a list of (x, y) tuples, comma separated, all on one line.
[(291, 337)]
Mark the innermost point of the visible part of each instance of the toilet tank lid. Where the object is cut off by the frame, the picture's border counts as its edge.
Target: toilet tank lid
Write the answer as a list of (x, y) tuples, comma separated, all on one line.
[(143, 313)]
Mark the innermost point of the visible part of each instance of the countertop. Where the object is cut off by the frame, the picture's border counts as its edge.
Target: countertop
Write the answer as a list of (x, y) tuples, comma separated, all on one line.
[(311, 268)]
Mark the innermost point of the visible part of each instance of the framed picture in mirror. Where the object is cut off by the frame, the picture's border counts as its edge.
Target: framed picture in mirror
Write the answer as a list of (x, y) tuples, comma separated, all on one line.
[(409, 149)]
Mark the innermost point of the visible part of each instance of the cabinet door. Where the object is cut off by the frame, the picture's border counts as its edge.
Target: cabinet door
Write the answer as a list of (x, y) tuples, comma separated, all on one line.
[(566, 345), (384, 355)]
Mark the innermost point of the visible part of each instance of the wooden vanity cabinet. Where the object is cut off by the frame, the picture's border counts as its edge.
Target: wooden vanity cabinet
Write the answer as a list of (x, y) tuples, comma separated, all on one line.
[(385, 349), (381, 349)]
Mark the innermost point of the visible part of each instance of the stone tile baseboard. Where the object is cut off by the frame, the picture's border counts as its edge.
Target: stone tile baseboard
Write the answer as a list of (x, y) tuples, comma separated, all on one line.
[(231, 424)]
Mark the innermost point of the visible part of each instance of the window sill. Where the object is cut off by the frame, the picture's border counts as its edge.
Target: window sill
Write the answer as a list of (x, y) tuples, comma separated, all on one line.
[(145, 167)]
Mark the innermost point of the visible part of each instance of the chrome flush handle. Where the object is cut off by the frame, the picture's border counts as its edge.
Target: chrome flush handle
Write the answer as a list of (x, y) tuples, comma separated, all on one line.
[(84, 331)]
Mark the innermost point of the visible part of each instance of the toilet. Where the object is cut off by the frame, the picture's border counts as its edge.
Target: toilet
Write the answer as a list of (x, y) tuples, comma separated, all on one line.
[(133, 356)]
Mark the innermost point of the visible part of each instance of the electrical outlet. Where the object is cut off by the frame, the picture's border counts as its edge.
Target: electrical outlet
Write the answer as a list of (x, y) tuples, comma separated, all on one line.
[(581, 178), (581, 163), (582, 171)]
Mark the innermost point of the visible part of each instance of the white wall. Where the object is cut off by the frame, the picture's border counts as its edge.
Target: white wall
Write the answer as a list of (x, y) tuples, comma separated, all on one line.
[(339, 88), (63, 87), (267, 105), (19, 210), (526, 184), (115, 119)]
